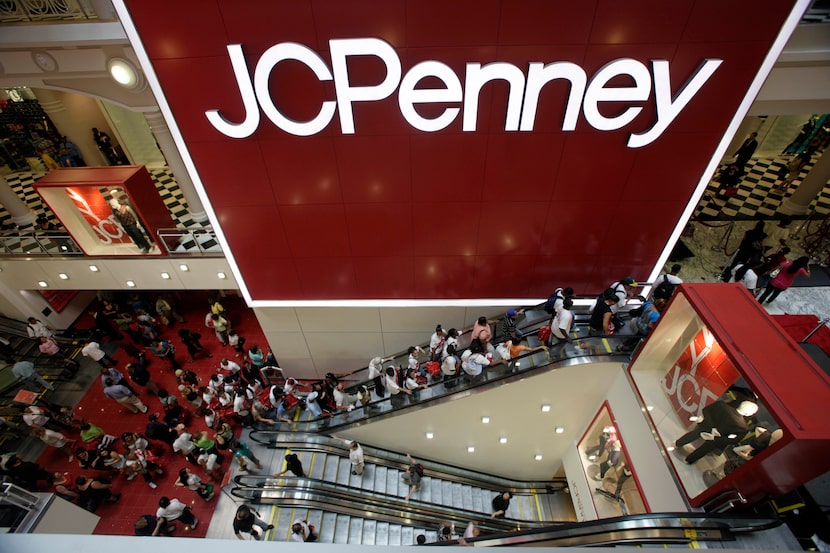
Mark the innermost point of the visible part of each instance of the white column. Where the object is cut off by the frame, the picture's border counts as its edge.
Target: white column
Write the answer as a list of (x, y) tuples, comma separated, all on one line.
[(70, 124), (174, 161), (810, 187), (21, 214)]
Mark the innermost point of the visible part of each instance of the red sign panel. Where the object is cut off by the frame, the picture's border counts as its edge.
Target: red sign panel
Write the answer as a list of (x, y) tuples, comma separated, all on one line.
[(701, 375), (449, 150)]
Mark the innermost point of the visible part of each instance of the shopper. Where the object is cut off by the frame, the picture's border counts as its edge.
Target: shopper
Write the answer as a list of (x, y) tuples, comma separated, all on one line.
[(245, 520), (785, 277)]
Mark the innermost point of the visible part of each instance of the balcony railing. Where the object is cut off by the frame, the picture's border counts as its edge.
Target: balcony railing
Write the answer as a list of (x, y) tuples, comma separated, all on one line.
[(18, 11), (178, 242)]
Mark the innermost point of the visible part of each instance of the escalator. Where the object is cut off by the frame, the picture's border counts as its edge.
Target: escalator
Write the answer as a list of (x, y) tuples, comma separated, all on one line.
[(583, 349), (370, 509), (372, 506)]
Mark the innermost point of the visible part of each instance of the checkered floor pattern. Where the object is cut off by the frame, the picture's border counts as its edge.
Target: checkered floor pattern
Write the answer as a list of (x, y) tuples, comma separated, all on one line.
[(198, 239), (756, 197)]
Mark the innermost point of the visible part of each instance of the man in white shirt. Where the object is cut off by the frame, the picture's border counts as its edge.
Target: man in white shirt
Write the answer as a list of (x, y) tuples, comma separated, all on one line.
[(355, 456), (93, 351), (376, 374), (37, 329), (436, 343), (561, 326), (342, 400), (173, 509), (670, 277), (393, 388), (621, 290)]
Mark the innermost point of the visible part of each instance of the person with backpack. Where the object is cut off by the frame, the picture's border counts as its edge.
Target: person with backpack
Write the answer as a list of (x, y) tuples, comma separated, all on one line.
[(665, 284), (412, 476), (554, 304)]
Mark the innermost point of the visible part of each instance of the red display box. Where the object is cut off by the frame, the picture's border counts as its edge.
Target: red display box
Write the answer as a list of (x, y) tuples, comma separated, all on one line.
[(715, 344), (85, 200)]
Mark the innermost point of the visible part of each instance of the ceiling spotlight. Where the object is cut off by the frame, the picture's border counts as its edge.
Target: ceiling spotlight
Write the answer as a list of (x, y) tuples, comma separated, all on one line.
[(222, 275), (503, 440), (43, 284), (430, 435), (545, 407), (165, 276), (538, 457), (124, 73), (184, 267), (63, 276), (649, 407), (559, 429), (471, 449), (131, 283), (485, 420), (93, 268)]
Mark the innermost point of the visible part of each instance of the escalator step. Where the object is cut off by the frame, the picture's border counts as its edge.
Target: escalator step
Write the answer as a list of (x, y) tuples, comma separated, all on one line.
[(394, 534), (369, 532), (407, 535), (327, 527), (356, 530), (341, 529), (379, 480), (382, 533)]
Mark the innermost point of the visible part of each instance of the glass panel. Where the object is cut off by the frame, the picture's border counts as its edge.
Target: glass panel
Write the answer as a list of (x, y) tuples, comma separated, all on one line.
[(603, 457), (706, 416)]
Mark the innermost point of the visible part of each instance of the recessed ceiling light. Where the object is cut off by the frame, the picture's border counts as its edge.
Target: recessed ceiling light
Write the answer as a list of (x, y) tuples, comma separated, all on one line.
[(430, 435), (545, 407), (222, 275), (559, 429), (485, 420), (63, 276), (503, 440), (93, 268), (165, 276), (670, 448), (649, 407), (131, 283), (184, 267), (43, 284), (124, 73), (538, 457), (471, 449)]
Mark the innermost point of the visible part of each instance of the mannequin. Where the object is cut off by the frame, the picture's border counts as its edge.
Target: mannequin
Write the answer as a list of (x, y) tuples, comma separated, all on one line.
[(129, 220), (593, 453), (614, 451), (722, 425)]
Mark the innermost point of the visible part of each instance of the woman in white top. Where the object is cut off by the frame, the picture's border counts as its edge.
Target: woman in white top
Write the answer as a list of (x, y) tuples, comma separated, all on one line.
[(745, 275)]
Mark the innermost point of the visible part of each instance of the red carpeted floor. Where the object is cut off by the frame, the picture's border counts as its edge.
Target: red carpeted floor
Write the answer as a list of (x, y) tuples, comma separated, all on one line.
[(799, 326), (137, 497)]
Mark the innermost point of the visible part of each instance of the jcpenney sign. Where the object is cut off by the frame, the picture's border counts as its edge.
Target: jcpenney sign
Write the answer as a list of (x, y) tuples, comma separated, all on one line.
[(586, 94)]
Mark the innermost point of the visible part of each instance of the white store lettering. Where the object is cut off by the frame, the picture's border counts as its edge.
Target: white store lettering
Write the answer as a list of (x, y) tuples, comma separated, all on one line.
[(585, 95)]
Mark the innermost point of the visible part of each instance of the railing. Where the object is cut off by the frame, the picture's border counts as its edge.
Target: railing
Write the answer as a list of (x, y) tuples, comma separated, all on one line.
[(197, 241), (33, 243), (17, 11)]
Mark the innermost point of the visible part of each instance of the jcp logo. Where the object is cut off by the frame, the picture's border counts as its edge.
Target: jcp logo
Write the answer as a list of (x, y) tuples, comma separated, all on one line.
[(585, 95)]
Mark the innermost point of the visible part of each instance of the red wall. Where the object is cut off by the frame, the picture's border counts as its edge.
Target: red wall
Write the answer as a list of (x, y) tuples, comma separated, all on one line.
[(393, 212)]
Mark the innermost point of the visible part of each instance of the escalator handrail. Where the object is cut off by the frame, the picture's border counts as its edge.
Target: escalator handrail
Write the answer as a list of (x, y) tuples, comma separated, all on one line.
[(414, 507), (692, 521), (443, 471), (332, 426)]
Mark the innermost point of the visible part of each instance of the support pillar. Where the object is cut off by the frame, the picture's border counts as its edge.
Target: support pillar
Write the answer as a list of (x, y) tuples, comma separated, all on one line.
[(174, 161), (810, 187), (70, 124), (20, 212)]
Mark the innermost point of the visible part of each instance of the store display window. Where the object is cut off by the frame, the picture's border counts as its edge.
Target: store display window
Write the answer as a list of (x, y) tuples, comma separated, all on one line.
[(602, 451), (108, 211), (707, 417)]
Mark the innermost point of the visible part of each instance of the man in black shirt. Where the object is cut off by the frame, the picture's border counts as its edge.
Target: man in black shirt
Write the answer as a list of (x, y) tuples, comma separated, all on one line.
[(601, 315), (500, 504)]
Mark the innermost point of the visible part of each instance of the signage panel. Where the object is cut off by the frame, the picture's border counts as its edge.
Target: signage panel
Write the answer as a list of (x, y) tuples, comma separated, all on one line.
[(451, 151)]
